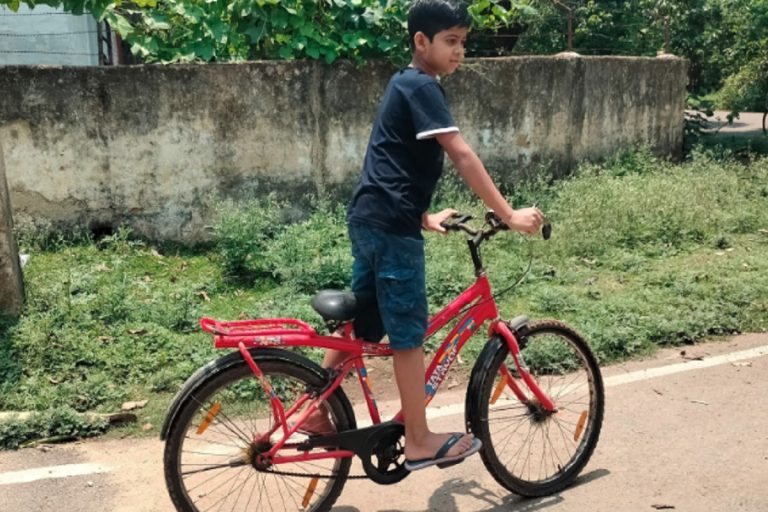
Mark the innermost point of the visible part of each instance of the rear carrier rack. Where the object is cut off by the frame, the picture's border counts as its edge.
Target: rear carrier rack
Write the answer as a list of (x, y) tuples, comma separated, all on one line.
[(252, 333)]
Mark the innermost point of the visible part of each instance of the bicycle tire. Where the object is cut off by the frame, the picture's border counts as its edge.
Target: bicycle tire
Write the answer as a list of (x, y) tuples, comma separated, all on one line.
[(228, 434), (567, 371), (765, 123)]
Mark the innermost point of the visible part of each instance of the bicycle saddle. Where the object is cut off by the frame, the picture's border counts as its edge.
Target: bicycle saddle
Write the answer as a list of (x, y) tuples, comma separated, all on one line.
[(337, 305)]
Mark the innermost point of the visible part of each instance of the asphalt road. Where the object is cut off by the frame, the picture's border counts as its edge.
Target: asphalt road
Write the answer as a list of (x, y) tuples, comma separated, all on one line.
[(749, 124), (682, 432)]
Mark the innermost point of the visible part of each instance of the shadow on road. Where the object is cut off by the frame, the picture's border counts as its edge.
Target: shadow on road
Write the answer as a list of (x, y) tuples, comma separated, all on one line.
[(444, 500)]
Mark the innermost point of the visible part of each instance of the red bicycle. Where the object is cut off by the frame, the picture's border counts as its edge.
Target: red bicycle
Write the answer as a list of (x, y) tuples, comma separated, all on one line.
[(234, 436)]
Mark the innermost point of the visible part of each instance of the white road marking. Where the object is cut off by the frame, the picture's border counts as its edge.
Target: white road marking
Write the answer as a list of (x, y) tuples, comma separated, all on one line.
[(652, 373), (64, 471), (640, 375)]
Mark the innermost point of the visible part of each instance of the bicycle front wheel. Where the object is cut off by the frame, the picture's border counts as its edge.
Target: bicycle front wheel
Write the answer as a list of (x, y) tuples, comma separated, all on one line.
[(211, 451), (527, 449)]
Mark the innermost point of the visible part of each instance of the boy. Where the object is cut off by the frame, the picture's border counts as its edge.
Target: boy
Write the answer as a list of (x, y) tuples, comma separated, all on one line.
[(412, 131)]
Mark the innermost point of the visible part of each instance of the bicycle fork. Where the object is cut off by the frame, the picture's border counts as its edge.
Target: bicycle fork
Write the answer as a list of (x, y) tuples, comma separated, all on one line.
[(508, 380)]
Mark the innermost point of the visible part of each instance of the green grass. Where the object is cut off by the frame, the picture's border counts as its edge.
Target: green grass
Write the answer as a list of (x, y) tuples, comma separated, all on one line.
[(644, 253)]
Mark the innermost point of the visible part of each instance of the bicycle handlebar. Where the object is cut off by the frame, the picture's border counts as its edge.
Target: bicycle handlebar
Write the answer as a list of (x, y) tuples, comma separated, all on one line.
[(457, 222)]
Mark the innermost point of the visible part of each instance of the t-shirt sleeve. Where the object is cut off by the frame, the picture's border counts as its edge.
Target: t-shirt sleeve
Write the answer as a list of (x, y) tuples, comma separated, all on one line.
[(430, 113)]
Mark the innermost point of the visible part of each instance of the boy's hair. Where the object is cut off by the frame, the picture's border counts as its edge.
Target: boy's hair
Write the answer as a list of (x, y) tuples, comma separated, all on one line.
[(433, 16)]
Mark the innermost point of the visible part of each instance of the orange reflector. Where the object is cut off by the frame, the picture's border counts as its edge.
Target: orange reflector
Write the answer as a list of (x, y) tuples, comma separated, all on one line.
[(580, 426), (499, 388), (310, 492), (209, 418)]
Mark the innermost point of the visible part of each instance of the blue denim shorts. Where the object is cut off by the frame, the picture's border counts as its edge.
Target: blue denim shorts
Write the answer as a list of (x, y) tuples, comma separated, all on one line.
[(391, 268)]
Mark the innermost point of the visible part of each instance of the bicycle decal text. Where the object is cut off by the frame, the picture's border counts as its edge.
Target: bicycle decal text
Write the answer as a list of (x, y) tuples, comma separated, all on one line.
[(446, 359), (269, 341)]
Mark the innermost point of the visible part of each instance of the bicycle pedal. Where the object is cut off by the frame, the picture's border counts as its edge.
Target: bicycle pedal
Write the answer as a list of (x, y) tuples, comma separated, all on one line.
[(444, 465)]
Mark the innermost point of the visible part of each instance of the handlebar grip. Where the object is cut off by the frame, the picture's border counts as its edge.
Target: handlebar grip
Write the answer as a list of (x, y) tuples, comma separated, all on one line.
[(546, 230)]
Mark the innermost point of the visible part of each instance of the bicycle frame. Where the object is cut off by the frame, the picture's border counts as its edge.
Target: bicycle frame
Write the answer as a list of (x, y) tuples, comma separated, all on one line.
[(476, 302)]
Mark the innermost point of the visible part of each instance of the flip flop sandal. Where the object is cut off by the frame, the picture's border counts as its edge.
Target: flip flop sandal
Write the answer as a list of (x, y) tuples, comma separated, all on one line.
[(440, 459)]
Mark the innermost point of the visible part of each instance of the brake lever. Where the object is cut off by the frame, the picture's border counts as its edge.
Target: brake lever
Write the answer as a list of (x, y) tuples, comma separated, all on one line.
[(495, 221)]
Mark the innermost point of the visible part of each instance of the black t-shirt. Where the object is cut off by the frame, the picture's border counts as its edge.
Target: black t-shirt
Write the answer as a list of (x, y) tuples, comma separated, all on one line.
[(403, 161)]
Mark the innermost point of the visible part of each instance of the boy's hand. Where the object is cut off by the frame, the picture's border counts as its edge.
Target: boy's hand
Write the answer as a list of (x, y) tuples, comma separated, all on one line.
[(526, 220), (431, 222)]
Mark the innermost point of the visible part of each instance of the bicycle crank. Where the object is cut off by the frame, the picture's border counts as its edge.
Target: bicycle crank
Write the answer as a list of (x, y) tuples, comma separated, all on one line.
[(384, 460)]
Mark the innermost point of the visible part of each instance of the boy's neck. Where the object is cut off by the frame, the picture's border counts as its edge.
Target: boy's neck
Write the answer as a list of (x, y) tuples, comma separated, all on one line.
[(419, 64)]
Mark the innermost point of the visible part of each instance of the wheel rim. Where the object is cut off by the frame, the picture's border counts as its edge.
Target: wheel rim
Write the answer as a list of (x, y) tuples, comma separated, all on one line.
[(533, 445), (219, 464)]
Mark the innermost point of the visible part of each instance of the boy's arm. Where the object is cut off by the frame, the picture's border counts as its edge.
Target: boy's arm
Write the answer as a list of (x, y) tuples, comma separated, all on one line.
[(472, 170)]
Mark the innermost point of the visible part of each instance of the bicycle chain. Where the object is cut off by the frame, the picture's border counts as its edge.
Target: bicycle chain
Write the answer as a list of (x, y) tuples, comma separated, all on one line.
[(309, 475)]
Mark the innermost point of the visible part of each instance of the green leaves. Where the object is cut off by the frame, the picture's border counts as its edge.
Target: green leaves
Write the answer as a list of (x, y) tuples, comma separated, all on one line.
[(205, 30), (221, 30), (497, 14), (120, 24)]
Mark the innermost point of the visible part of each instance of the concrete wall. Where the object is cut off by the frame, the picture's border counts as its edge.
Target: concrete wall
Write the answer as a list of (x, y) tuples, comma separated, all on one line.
[(47, 35), (11, 284), (155, 146)]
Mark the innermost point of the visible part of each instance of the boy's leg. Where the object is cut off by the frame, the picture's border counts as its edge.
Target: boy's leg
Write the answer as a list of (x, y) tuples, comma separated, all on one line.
[(397, 268), (319, 422), (333, 358), (420, 442)]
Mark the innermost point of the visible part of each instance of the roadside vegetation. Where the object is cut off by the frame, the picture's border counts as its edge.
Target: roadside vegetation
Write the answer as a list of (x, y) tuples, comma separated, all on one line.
[(645, 253)]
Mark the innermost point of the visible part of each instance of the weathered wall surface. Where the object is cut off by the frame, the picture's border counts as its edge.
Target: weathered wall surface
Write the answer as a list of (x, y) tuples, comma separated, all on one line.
[(11, 284), (155, 147)]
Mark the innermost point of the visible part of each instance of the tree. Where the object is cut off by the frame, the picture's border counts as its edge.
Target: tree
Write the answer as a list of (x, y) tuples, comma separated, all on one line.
[(745, 60), (226, 30)]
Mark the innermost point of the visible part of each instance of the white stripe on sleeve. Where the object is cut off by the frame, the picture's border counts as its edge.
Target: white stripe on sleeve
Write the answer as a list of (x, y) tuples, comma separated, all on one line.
[(429, 134)]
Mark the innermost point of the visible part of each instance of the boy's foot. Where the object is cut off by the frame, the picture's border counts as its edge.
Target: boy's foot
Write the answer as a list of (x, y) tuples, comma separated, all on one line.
[(454, 450)]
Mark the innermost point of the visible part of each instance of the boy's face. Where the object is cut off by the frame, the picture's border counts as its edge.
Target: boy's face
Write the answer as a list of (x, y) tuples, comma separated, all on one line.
[(445, 52)]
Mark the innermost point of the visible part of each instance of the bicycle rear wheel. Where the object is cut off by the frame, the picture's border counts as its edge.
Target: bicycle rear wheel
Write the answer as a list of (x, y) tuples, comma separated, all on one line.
[(528, 450), (210, 453)]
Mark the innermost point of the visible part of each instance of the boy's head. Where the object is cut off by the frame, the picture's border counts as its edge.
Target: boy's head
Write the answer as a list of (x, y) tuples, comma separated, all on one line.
[(438, 32), (432, 16)]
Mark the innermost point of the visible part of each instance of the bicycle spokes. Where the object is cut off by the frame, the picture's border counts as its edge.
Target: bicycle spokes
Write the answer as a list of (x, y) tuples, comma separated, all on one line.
[(225, 460)]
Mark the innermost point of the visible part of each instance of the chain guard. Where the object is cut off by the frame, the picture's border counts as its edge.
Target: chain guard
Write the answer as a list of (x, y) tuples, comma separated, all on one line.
[(384, 456)]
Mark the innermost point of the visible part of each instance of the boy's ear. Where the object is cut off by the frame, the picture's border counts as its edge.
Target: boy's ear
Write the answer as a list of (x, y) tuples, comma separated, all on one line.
[(420, 41)]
